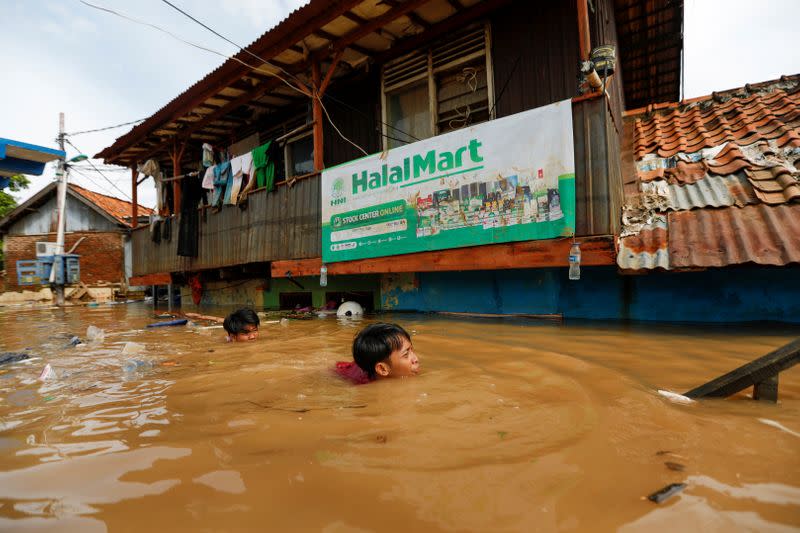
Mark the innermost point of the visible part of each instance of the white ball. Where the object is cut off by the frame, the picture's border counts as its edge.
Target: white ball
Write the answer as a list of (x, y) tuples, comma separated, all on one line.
[(350, 309)]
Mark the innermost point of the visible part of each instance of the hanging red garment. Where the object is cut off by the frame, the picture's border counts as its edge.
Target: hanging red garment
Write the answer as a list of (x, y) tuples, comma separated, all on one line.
[(196, 284)]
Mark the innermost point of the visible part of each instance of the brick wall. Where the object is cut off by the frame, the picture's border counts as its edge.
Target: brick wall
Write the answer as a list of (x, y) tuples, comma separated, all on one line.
[(102, 256)]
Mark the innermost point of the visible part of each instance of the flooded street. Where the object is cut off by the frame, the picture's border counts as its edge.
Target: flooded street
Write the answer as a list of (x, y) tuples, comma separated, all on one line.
[(513, 425)]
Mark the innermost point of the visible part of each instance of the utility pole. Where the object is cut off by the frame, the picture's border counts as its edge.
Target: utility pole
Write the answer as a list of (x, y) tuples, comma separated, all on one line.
[(61, 175)]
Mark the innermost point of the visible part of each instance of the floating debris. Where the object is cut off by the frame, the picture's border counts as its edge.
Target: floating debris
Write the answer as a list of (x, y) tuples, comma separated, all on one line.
[(675, 397), (667, 492), (677, 467), (47, 373), (11, 357), (178, 322)]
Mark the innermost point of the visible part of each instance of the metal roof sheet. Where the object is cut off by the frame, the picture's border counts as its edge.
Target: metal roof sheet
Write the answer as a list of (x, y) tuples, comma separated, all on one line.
[(725, 170), (761, 234), (710, 191), (646, 249)]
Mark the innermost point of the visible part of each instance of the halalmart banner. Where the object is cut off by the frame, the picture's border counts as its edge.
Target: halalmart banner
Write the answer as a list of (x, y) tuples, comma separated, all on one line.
[(510, 179)]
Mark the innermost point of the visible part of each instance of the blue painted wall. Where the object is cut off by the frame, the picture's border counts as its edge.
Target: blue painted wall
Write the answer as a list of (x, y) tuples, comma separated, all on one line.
[(735, 294)]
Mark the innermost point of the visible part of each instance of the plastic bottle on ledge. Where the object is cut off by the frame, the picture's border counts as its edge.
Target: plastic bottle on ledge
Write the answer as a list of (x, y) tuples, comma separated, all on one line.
[(575, 261), (323, 276)]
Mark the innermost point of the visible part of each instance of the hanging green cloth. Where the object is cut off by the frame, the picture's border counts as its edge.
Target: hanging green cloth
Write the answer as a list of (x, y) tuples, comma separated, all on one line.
[(264, 166)]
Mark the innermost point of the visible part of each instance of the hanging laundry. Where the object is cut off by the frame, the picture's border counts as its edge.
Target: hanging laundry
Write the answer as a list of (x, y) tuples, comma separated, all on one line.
[(264, 163), (222, 175), (208, 178), (240, 168), (152, 169), (248, 180), (208, 155), (189, 221)]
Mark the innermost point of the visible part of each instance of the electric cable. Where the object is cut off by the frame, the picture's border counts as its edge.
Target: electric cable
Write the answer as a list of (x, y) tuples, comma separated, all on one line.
[(104, 190), (98, 170), (282, 70), (107, 127), (503, 90)]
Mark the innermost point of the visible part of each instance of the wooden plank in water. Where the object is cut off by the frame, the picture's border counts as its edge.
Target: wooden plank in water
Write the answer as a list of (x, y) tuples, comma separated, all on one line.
[(755, 373)]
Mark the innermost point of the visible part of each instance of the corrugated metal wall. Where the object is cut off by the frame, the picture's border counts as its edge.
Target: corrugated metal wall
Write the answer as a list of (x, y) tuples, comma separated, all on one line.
[(79, 217), (355, 110), (282, 224), (543, 36), (598, 179)]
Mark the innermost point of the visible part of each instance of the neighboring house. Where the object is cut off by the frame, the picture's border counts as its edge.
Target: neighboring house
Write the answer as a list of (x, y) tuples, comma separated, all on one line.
[(96, 228)]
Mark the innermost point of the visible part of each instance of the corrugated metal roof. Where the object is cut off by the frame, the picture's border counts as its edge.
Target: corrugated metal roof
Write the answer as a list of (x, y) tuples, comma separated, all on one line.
[(725, 169), (710, 191), (646, 249), (761, 234)]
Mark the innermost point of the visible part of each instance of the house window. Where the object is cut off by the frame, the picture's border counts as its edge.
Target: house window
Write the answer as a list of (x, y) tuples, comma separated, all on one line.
[(445, 88), (299, 155)]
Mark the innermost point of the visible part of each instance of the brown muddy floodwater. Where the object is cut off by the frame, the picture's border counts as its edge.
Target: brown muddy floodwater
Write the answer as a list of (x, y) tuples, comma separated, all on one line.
[(512, 426)]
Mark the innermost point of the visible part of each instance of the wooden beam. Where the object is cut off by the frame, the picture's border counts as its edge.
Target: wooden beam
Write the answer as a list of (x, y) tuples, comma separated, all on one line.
[(231, 70), (455, 4), (316, 107), (134, 197), (456, 21), (756, 374), (595, 251), (412, 16), (337, 46), (584, 39), (333, 38), (163, 278)]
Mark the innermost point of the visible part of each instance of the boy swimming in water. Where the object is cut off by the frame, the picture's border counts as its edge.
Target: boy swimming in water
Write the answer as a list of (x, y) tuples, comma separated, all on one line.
[(241, 325), (380, 351)]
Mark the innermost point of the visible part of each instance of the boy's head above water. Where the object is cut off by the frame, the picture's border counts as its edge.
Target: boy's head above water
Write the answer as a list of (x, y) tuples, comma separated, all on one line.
[(385, 350), (242, 325)]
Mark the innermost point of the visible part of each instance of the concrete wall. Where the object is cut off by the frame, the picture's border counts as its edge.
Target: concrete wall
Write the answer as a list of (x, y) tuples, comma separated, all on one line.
[(735, 294)]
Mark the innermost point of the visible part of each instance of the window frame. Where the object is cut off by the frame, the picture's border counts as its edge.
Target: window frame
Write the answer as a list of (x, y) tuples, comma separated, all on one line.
[(430, 74), (287, 162)]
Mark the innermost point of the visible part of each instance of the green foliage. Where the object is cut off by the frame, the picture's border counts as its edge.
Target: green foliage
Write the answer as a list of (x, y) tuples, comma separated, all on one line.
[(8, 202)]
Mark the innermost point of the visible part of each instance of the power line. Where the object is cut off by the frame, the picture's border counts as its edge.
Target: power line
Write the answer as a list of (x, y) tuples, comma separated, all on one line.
[(91, 180), (99, 172), (107, 127)]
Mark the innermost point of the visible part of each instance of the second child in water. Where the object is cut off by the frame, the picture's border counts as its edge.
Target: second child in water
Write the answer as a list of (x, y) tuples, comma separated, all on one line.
[(380, 351)]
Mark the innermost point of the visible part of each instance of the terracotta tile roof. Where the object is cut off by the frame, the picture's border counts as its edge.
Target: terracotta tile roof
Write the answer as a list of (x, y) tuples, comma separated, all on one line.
[(725, 170), (116, 208)]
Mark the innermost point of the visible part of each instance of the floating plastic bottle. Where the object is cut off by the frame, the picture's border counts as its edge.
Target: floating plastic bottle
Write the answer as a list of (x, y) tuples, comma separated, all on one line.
[(575, 261), (136, 365), (323, 276)]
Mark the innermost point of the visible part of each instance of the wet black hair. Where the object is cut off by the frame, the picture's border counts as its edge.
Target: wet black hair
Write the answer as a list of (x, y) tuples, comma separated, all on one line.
[(375, 343), (235, 322)]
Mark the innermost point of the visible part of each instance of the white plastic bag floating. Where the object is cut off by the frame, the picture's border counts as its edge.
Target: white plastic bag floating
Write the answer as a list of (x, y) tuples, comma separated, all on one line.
[(675, 397), (47, 373), (350, 309), (132, 348), (93, 333)]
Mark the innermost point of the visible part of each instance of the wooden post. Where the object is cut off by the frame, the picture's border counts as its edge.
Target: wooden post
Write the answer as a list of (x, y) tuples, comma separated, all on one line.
[(134, 197), (584, 39), (316, 79), (761, 374), (767, 390), (177, 155)]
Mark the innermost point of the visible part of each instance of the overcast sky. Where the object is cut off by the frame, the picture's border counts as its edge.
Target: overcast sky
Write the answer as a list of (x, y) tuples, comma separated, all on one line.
[(99, 69)]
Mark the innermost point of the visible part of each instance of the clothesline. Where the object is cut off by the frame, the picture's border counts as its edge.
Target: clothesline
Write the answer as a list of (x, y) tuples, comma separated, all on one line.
[(180, 177)]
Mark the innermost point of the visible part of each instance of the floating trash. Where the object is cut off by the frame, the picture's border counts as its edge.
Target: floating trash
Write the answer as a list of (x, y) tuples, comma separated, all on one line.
[(179, 322), (93, 333), (132, 348), (11, 357), (47, 373), (675, 397), (350, 309)]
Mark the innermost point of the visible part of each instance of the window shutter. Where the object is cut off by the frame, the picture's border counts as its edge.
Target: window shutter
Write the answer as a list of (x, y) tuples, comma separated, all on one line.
[(405, 70)]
